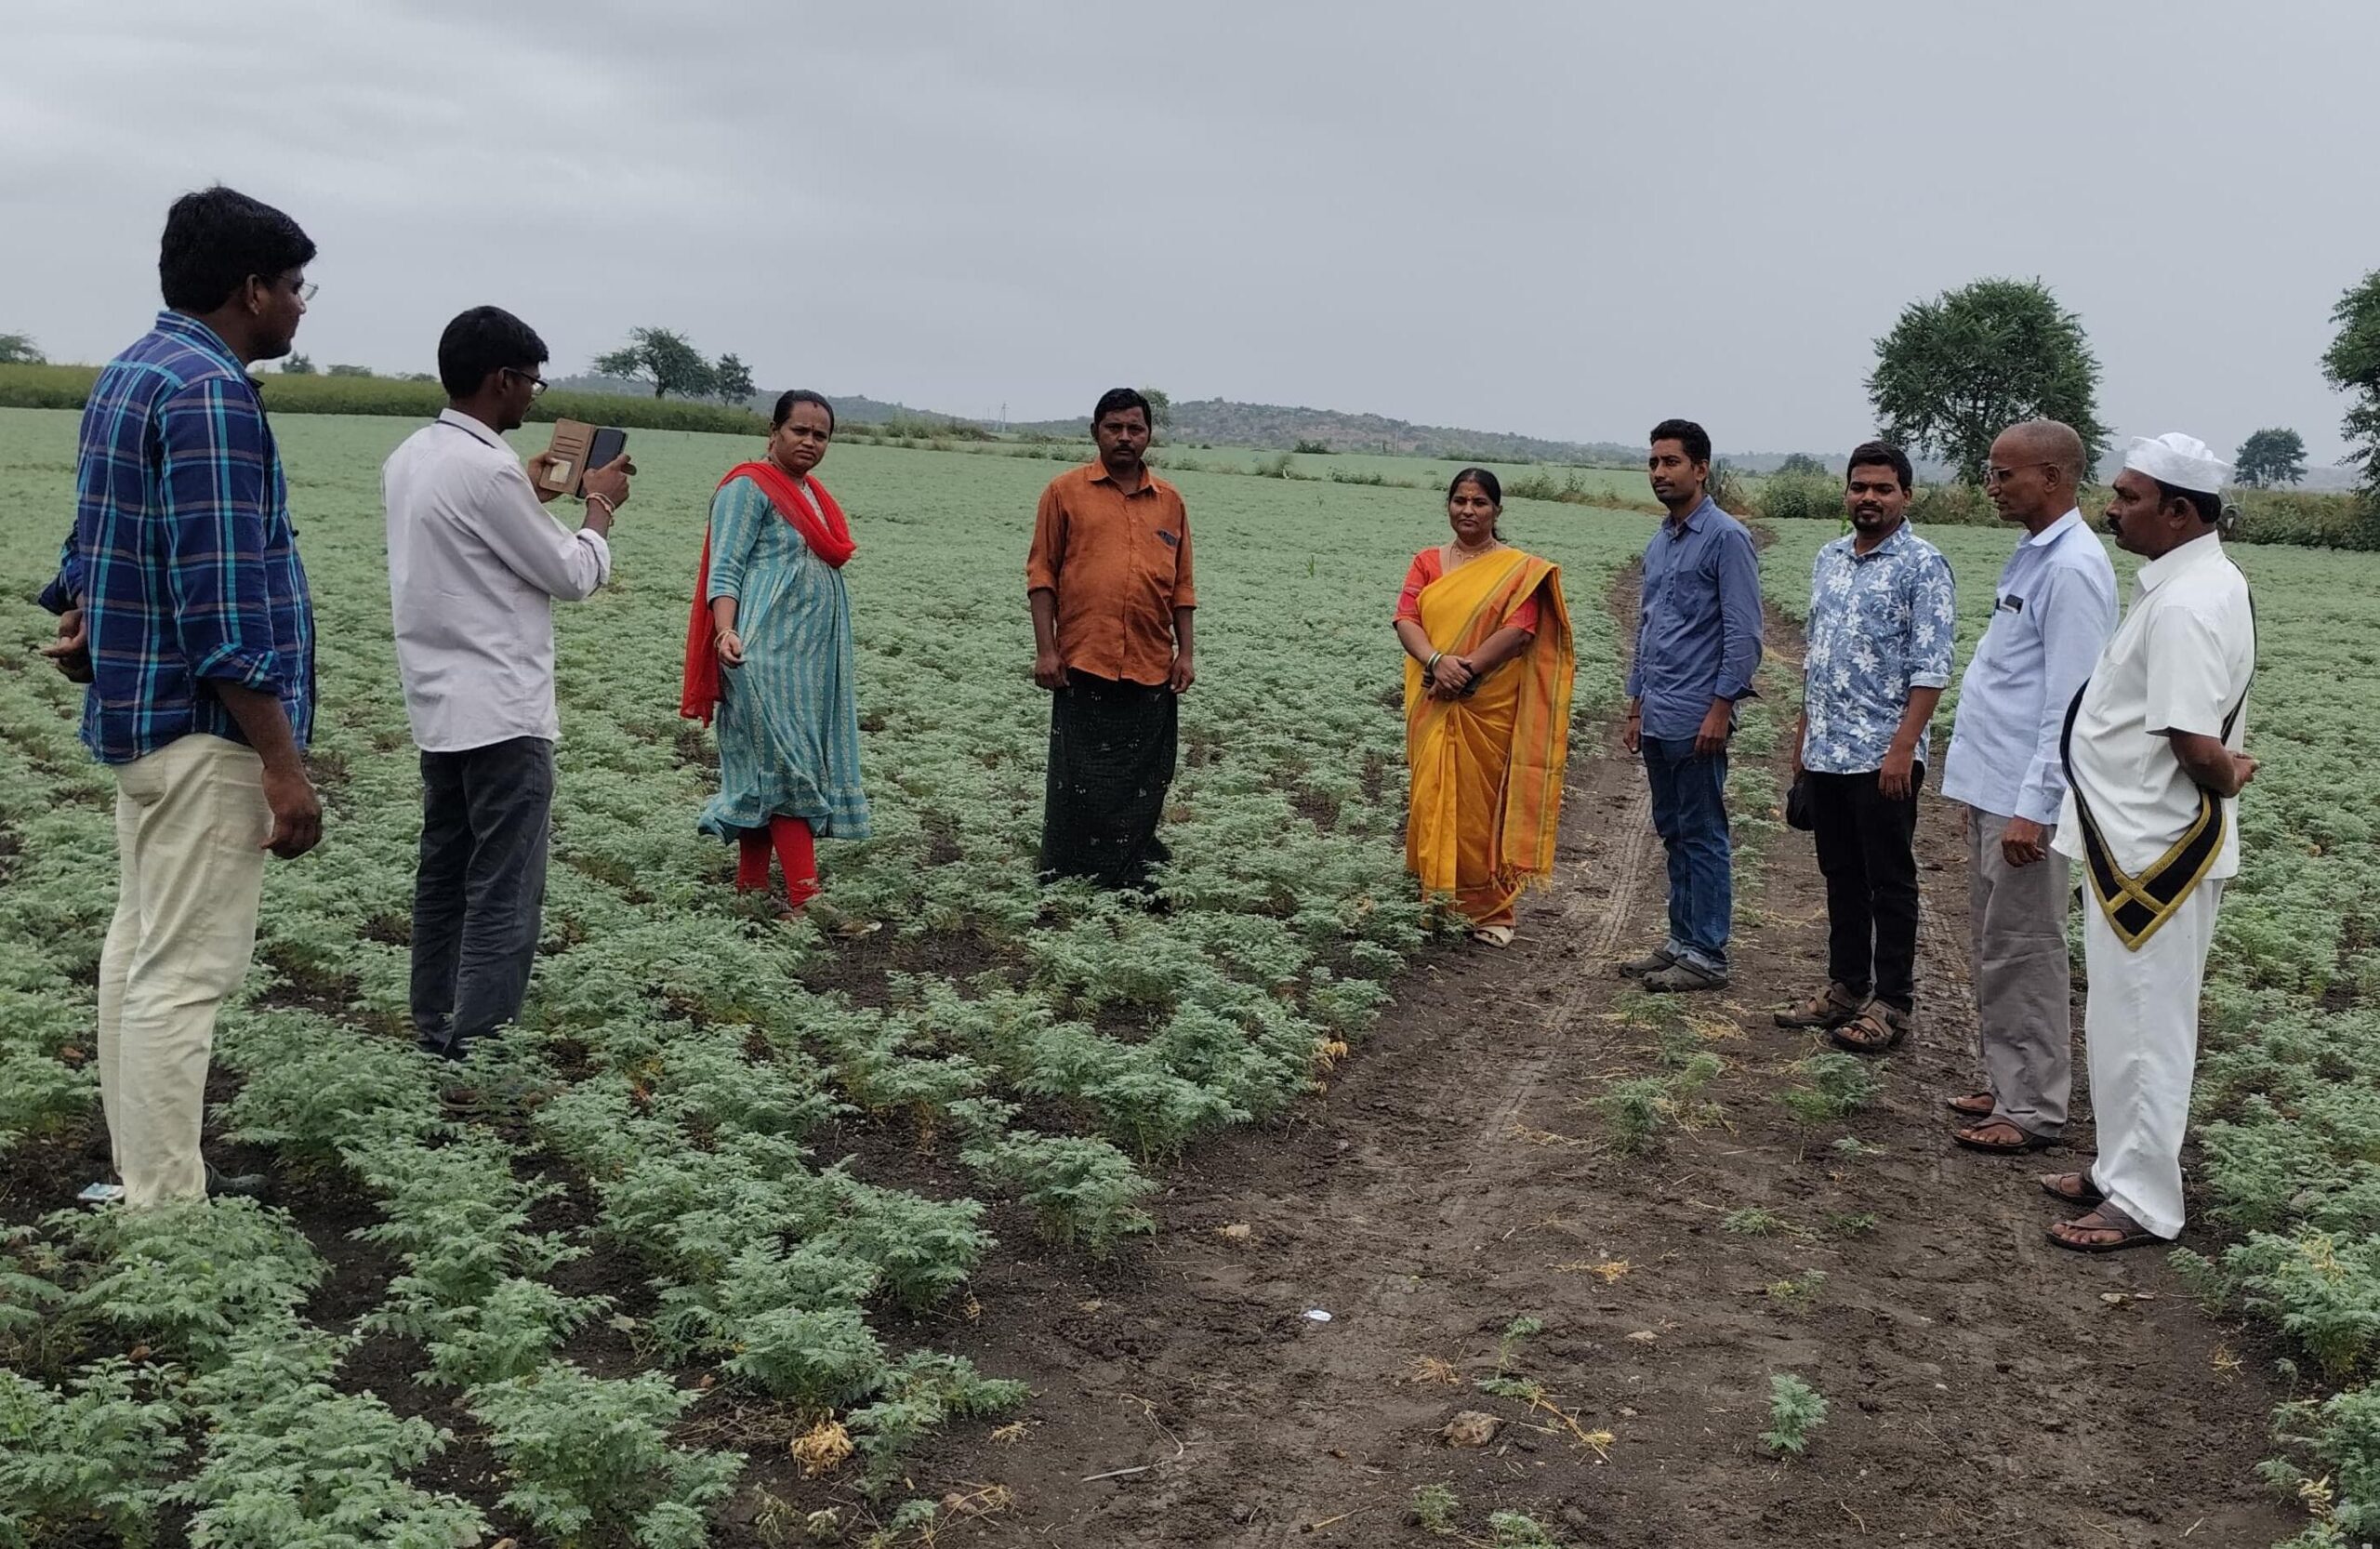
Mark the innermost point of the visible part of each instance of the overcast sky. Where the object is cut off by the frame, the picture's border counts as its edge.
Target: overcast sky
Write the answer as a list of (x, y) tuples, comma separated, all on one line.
[(1564, 219)]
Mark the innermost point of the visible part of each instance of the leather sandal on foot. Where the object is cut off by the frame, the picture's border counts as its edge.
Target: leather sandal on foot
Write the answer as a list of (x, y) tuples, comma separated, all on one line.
[(1973, 1105), (1973, 1138), (2128, 1233), (1831, 1007), (1492, 936), (1876, 1029), (2072, 1188)]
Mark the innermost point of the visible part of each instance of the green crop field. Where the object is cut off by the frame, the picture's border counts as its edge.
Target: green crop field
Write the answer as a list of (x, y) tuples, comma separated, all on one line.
[(797, 1140)]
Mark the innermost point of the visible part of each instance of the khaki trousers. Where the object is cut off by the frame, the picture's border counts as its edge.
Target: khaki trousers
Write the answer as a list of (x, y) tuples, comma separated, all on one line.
[(2024, 1018), (2141, 1030), (191, 823)]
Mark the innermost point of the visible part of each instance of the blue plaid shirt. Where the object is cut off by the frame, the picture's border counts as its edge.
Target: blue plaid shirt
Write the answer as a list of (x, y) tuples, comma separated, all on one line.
[(182, 556)]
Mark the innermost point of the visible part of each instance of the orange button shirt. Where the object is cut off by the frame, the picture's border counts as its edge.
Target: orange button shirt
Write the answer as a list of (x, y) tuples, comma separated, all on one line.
[(1119, 565)]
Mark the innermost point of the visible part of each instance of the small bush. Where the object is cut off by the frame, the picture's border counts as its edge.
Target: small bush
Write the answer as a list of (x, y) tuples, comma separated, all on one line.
[(1802, 497), (1795, 1409), (1435, 1507)]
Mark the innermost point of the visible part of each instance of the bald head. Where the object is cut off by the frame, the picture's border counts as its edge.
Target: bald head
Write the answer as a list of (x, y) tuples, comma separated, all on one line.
[(2040, 464), (2049, 440)]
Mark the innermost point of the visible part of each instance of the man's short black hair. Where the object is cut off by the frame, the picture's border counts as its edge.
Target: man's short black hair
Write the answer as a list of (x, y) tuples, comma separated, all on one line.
[(1116, 399), (483, 340), (1686, 433), (1883, 454), (2209, 507), (214, 239)]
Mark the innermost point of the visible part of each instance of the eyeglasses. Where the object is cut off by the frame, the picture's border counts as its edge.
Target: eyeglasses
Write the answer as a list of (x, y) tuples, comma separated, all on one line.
[(2002, 475), (537, 383), (306, 290), (302, 289)]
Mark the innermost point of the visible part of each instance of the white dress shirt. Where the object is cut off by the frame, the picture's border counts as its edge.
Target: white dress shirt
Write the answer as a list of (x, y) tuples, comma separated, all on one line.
[(474, 565), (2180, 662), (2055, 608)]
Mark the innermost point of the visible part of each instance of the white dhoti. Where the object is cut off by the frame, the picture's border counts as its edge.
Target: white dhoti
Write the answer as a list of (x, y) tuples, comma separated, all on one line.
[(2141, 1029)]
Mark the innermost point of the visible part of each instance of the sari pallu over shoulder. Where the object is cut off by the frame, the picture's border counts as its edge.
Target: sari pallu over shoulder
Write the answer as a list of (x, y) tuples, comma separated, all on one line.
[(822, 527), (1487, 769)]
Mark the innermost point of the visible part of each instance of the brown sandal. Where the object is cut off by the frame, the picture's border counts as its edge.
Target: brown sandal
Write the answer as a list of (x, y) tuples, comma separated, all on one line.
[(1877, 1028), (1971, 1136), (1973, 1105), (2107, 1218), (1831, 1007), (2081, 1194)]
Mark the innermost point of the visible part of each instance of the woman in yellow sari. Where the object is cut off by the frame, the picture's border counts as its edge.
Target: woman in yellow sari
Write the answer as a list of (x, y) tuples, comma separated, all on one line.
[(1488, 680)]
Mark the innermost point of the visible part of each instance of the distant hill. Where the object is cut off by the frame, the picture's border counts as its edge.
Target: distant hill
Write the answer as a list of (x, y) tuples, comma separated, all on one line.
[(1278, 427)]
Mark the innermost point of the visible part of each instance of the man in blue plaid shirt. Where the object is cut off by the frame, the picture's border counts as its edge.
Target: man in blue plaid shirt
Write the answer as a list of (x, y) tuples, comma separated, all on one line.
[(181, 602)]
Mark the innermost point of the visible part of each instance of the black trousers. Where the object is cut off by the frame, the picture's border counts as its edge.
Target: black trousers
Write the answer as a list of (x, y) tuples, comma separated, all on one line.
[(1868, 851), (1111, 760), (478, 895)]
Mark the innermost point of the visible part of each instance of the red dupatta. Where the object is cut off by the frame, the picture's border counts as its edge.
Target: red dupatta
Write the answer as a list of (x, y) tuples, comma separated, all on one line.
[(821, 525)]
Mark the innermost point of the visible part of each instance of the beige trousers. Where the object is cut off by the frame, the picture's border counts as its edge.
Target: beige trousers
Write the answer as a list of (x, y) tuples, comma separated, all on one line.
[(2024, 1019), (191, 823), (2140, 1026)]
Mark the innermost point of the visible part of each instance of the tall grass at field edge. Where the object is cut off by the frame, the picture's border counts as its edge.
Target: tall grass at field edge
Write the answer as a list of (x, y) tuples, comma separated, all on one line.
[(66, 387)]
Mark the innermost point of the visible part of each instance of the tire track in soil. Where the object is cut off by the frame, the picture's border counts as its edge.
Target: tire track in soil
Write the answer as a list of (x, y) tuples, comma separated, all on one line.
[(1452, 1176)]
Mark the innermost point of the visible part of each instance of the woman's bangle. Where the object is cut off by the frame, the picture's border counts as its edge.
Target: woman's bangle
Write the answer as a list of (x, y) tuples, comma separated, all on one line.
[(1432, 665)]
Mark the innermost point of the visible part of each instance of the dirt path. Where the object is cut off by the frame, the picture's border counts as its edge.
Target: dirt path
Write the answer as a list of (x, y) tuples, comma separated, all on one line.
[(1984, 1388)]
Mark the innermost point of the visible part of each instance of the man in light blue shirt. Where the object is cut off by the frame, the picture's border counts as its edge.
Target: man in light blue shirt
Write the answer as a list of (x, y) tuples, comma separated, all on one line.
[(1882, 621), (1697, 646), (2053, 609)]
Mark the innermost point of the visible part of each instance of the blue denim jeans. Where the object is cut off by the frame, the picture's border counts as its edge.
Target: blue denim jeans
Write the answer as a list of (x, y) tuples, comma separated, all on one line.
[(1690, 814)]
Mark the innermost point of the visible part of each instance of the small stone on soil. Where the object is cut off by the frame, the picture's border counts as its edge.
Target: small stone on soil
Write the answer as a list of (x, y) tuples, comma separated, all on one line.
[(1471, 1429)]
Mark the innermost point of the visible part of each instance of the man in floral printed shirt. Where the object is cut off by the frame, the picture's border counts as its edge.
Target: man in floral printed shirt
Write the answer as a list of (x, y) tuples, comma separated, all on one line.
[(1881, 617)]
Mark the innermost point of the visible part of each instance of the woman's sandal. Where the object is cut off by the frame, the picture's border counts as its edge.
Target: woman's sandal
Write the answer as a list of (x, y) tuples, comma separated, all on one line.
[(1971, 1136), (2106, 1218), (1874, 1030), (2072, 1188), (1492, 936)]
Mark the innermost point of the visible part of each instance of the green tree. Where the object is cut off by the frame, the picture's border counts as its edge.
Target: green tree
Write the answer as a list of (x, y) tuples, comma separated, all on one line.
[(299, 365), (2269, 458), (1160, 407), (663, 357), (1956, 371), (349, 371), (730, 380), (2352, 365), (20, 349), (1802, 462)]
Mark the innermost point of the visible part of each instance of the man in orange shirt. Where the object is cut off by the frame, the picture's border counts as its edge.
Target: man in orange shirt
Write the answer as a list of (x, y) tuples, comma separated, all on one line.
[(1109, 578)]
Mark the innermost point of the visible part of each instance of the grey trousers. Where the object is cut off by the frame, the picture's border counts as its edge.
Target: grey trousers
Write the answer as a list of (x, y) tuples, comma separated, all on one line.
[(480, 893), (2023, 1017)]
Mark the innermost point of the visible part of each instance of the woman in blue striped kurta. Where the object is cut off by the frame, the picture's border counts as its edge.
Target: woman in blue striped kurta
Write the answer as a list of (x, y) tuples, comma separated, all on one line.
[(788, 727)]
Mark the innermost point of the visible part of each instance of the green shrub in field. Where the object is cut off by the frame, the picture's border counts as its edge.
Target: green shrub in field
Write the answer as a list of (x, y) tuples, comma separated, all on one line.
[(1802, 496), (1833, 1086), (100, 1452), (587, 1452), (2321, 1292), (1795, 1410), (921, 1393), (2342, 1433), (1435, 1507), (1951, 505), (1079, 1187)]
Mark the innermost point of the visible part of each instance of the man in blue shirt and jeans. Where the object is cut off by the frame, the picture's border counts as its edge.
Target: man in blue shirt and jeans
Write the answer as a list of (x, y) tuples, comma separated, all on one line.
[(181, 601), (1697, 646)]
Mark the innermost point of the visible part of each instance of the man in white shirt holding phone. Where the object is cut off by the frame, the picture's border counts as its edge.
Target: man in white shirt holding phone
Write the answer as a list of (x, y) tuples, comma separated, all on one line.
[(474, 566)]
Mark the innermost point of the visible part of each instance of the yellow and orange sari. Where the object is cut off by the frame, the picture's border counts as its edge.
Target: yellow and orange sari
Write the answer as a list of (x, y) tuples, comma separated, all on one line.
[(1487, 770)]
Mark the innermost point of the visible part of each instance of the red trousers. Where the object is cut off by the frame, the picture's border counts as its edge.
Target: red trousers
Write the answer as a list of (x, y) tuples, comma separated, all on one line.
[(797, 857)]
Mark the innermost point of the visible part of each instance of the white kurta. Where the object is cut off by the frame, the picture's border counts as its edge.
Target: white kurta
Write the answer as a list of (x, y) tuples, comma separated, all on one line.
[(2181, 661)]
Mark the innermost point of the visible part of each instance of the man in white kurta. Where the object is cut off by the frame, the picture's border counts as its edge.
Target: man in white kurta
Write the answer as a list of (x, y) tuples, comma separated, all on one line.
[(2154, 771)]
